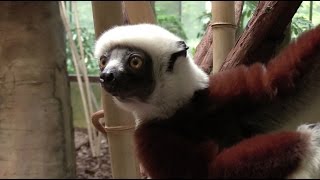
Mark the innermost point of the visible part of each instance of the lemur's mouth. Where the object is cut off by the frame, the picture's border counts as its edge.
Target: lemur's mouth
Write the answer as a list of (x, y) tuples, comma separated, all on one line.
[(119, 93), (111, 89), (123, 100)]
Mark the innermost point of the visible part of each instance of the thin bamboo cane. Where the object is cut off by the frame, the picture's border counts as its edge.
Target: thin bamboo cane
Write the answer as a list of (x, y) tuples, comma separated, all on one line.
[(96, 142), (82, 63), (75, 56), (98, 139), (223, 32)]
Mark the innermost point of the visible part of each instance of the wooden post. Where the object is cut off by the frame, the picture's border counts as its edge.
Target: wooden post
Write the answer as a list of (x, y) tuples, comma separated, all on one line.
[(144, 15), (123, 160), (36, 132), (223, 32)]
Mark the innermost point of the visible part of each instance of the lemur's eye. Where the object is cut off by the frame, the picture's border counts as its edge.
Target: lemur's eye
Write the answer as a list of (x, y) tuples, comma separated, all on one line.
[(135, 62), (103, 61)]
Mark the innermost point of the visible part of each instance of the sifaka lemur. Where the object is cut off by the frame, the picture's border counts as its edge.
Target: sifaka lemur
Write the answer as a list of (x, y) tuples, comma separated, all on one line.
[(224, 125)]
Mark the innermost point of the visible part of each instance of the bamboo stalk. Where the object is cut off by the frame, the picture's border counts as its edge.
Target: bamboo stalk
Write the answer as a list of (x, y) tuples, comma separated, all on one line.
[(75, 56), (123, 159), (144, 15), (203, 56), (83, 68), (99, 136), (81, 59), (223, 32)]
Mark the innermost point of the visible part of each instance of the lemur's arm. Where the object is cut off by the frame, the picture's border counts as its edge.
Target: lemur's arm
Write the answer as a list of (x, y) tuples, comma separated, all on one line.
[(260, 81), (279, 155), (166, 154)]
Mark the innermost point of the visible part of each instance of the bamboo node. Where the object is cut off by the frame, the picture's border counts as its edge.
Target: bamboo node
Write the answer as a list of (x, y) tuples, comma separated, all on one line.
[(223, 24)]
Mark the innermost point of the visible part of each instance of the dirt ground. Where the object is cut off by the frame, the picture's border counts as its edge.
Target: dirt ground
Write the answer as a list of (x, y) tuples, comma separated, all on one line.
[(89, 167)]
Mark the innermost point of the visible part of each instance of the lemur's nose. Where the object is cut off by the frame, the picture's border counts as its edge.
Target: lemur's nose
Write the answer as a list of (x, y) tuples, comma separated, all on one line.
[(106, 77)]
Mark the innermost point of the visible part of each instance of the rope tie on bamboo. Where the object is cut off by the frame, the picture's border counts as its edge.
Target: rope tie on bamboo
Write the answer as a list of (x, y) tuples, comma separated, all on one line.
[(118, 128), (105, 129), (223, 24)]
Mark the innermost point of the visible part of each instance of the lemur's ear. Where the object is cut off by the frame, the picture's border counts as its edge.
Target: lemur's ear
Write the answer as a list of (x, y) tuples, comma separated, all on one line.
[(182, 51), (182, 45)]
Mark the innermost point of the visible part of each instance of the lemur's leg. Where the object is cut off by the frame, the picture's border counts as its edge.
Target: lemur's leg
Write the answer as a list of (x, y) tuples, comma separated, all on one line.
[(278, 155)]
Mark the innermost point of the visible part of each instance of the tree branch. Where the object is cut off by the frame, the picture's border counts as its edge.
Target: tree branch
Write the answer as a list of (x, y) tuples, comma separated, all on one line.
[(264, 31)]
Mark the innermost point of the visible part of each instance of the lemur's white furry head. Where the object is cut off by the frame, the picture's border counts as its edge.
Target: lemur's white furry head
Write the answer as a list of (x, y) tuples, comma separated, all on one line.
[(173, 86), (151, 38)]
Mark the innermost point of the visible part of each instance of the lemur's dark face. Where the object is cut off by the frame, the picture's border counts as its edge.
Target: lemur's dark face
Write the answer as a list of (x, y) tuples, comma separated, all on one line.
[(127, 72)]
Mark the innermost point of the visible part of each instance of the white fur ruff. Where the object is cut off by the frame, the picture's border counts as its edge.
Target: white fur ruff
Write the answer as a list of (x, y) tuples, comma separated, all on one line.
[(310, 167)]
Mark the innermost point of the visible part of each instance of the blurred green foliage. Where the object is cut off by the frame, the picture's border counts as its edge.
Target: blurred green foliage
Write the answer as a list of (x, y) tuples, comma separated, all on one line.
[(170, 22), (299, 24), (184, 20), (87, 39)]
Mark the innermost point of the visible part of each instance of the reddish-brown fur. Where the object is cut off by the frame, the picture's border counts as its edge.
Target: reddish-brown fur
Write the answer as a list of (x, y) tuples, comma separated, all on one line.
[(257, 82), (165, 154), (264, 156), (199, 140)]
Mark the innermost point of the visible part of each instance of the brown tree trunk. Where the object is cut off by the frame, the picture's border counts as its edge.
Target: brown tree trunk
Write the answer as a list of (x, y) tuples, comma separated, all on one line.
[(36, 132), (264, 32), (204, 47)]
